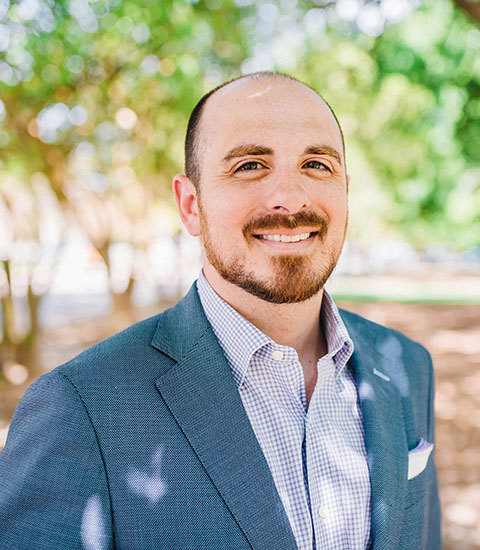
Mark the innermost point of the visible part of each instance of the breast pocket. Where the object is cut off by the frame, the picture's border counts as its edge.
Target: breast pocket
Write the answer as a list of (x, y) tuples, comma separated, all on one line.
[(416, 488), (419, 470), (416, 508)]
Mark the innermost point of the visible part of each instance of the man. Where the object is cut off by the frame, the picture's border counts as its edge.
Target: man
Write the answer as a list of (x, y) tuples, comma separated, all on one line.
[(252, 414)]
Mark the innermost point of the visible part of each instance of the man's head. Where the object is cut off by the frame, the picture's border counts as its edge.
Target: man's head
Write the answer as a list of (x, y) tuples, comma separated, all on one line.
[(193, 135), (265, 186)]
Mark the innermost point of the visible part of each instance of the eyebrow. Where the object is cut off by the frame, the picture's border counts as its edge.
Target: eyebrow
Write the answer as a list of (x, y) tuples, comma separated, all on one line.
[(324, 150), (247, 149), (252, 149)]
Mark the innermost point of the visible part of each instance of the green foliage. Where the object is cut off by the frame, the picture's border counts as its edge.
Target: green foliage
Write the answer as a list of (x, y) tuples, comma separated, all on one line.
[(436, 126), (96, 97)]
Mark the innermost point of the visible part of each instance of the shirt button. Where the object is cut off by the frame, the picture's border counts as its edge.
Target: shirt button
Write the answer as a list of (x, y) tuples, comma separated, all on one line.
[(322, 512), (277, 355)]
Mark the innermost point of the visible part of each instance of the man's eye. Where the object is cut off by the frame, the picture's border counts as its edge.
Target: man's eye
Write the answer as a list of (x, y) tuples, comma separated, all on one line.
[(316, 165), (252, 165)]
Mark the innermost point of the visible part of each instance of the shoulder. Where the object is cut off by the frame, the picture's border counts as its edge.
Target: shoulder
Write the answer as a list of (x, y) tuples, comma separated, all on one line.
[(405, 361), (401, 361), (385, 339), (143, 351), (113, 355), (117, 361)]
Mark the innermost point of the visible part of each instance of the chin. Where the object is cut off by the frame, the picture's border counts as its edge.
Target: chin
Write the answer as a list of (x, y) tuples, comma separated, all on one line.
[(291, 279)]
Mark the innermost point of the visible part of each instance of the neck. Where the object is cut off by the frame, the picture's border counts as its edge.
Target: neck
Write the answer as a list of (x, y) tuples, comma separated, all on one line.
[(295, 325)]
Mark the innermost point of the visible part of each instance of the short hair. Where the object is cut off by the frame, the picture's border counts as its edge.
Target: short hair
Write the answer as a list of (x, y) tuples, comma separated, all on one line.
[(192, 160)]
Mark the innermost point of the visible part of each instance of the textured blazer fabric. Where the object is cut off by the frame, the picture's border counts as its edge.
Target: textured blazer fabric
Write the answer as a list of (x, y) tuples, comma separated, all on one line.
[(142, 442)]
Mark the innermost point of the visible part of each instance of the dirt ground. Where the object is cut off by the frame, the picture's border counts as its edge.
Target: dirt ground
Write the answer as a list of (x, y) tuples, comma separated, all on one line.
[(451, 333)]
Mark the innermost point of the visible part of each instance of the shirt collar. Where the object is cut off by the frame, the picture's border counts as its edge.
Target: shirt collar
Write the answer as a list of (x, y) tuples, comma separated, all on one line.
[(240, 339), (339, 344)]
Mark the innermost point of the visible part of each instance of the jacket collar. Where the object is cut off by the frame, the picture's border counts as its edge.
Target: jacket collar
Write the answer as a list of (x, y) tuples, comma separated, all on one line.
[(379, 390), (203, 398)]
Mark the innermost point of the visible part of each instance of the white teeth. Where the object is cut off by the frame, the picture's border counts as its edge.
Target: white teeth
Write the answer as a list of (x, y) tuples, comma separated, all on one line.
[(286, 238)]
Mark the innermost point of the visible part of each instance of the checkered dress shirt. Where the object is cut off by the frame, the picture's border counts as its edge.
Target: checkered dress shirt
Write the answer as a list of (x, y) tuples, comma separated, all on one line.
[(316, 454)]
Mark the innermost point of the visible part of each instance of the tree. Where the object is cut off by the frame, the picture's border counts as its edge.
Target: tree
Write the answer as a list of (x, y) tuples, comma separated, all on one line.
[(94, 100), (95, 97)]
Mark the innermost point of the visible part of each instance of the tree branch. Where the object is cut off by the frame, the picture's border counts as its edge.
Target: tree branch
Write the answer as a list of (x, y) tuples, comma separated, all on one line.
[(472, 7)]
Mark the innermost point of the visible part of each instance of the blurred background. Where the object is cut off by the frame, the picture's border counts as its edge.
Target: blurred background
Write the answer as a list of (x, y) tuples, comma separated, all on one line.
[(94, 101)]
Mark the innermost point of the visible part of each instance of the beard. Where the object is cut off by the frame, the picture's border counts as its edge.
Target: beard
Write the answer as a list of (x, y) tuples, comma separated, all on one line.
[(294, 278)]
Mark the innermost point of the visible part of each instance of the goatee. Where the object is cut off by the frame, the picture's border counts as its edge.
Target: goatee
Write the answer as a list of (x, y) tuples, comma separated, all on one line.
[(294, 278)]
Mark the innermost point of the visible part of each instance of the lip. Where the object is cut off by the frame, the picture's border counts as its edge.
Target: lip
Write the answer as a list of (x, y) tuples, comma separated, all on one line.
[(289, 232), (279, 246)]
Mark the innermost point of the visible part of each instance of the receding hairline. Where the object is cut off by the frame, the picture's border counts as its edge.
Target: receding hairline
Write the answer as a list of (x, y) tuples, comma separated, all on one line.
[(263, 75), (194, 129)]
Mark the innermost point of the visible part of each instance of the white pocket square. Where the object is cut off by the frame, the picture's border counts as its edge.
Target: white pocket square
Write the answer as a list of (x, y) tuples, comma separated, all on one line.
[(418, 458)]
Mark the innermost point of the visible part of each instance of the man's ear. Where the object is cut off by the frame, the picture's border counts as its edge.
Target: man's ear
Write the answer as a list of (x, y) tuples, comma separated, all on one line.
[(348, 181), (187, 203)]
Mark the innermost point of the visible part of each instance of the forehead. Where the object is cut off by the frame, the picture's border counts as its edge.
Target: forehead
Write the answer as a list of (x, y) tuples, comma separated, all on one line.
[(271, 112)]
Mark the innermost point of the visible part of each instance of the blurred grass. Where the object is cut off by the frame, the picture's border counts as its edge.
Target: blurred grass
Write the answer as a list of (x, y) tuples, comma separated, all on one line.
[(447, 290), (430, 300)]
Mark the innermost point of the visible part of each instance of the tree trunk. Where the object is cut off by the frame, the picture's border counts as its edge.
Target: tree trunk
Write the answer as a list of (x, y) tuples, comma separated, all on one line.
[(8, 322), (17, 348), (121, 301), (123, 314)]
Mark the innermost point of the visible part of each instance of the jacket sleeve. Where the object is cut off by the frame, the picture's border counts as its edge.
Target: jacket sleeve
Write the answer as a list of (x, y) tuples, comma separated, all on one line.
[(433, 519), (53, 485)]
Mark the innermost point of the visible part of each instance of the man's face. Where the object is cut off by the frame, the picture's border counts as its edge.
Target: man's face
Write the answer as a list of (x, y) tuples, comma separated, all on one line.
[(272, 197)]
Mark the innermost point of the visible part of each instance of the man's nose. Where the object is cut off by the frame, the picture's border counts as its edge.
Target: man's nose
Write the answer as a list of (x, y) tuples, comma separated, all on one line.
[(287, 193)]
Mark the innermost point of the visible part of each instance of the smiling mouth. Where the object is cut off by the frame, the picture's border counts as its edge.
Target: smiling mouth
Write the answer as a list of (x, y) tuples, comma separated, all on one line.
[(280, 238)]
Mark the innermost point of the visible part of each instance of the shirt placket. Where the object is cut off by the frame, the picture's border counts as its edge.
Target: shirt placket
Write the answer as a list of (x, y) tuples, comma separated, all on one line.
[(289, 374), (318, 431)]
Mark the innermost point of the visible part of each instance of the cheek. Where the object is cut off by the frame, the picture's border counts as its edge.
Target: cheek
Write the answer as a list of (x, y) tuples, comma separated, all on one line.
[(231, 209), (334, 203)]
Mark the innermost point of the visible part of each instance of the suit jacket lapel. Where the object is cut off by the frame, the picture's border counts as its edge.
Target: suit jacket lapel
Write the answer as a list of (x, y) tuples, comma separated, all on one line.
[(202, 396), (385, 436)]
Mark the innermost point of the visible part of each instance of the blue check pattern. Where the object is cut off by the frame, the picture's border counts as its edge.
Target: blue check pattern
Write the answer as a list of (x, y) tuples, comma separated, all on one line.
[(316, 453)]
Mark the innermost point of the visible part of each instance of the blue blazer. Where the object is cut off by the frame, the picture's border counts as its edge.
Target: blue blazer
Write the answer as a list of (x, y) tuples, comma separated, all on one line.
[(142, 443)]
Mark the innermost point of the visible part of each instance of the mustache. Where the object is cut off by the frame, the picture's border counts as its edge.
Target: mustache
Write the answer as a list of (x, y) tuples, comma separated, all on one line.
[(305, 218)]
